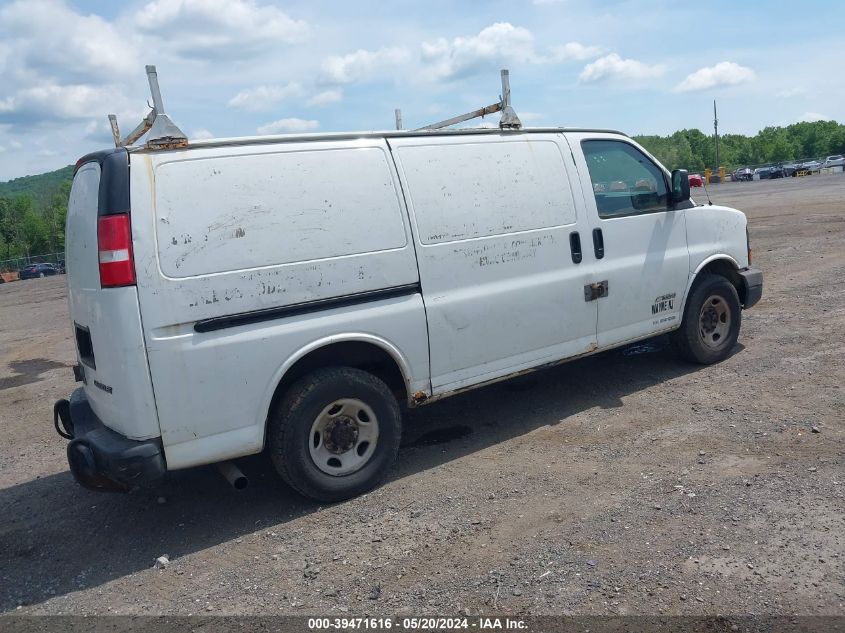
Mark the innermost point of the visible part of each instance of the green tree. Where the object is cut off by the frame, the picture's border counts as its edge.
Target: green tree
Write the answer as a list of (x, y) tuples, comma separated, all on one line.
[(694, 150), (7, 231), (31, 229), (54, 219), (11, 223)]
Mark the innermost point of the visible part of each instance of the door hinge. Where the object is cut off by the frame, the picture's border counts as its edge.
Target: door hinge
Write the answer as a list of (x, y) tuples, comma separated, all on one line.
[(595, 291)]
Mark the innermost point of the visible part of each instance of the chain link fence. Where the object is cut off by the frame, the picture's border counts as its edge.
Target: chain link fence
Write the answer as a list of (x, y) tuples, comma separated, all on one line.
[(9, 267)]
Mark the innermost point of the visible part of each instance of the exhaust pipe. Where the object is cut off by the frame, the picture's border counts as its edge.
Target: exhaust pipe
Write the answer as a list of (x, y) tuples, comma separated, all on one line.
[(233, 475)]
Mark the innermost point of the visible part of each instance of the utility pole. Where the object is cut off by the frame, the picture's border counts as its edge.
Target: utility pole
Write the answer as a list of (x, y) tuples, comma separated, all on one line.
[(716, 134)]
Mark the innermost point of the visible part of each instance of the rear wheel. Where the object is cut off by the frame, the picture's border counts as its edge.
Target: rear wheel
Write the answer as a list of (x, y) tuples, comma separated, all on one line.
[(335, 433), (711, 323)]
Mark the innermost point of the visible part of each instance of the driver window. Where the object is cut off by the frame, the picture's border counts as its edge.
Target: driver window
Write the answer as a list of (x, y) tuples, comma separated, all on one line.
[(625, 181)]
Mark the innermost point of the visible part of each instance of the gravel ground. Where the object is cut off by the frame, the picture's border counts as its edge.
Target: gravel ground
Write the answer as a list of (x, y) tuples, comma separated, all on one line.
[(625, 483)]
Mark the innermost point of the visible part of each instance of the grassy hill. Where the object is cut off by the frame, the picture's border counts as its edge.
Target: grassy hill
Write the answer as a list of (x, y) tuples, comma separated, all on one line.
[(40, 188)]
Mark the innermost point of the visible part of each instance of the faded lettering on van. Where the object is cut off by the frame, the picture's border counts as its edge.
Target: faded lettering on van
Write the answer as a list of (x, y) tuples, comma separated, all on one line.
[(276, 208), (494, 252)]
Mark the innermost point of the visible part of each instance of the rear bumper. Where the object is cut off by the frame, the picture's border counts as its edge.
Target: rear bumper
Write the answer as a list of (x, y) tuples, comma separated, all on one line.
[(752, 284), (100, 458)]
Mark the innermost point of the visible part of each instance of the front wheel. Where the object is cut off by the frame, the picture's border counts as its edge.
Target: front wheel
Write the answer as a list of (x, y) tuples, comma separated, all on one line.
[(335, 433), (711, 323)]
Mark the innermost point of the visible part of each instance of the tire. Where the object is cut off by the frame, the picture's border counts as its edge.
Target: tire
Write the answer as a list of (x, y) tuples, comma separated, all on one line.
[(711, 323), (41, 275), (308, 436)]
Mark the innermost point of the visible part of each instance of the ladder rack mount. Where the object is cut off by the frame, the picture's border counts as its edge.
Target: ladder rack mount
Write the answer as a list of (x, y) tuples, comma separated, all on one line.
[(161, 132), (508, 121)]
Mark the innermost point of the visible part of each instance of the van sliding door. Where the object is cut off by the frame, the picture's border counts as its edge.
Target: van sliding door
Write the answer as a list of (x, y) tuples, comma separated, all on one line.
[(495, 226)]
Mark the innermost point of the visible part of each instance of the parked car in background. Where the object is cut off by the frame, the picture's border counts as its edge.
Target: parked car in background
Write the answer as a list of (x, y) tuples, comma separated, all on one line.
[(695, 180), (834, 161), (38, 270), (811, 165), (789, 169), (743, 173), (776, 172), (60, 267), (762, 172)]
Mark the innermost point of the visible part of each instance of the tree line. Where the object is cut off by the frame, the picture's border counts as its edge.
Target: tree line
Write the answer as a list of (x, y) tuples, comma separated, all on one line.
[(33, 208), (694, 150), (32, 214)]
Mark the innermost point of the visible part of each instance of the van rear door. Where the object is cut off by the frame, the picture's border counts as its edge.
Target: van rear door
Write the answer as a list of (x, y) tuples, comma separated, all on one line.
[(106, 321)]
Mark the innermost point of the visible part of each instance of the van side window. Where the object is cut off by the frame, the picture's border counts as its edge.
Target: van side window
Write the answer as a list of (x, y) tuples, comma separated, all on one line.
[(470, 190), (625, 181)]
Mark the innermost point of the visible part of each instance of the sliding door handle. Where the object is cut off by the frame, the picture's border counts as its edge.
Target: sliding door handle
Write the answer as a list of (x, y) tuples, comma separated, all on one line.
[(575, 247), (598, 243)]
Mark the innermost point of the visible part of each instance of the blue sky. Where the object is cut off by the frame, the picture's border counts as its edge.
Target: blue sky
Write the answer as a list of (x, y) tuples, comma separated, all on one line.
[(246, 67)]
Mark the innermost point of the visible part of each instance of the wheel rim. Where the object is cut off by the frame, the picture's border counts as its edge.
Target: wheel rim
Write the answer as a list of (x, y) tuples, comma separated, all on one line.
[(343, 437), (714, 322)]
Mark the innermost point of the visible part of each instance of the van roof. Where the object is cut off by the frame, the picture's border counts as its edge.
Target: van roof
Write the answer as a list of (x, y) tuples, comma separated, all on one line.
[(343, 136)]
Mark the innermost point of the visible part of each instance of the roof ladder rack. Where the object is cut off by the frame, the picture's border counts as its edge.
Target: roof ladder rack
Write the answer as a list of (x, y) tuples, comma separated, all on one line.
[(509, 120), (163, 133)]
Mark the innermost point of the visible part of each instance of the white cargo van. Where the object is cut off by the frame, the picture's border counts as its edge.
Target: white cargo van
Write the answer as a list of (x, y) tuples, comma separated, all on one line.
[(293, 294)]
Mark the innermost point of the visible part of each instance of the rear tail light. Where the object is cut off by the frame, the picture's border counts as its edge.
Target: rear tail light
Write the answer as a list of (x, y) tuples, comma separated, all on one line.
[(117, 266)]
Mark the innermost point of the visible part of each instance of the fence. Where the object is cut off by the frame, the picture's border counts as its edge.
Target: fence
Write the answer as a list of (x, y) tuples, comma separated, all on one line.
[(16, 263)]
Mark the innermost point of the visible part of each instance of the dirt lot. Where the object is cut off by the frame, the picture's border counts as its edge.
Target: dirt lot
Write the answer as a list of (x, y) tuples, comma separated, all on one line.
[(625, 483)]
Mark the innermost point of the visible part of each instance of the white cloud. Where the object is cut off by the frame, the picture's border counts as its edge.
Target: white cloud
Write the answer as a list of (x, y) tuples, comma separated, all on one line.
[(218, 28), (98, 132), (574, 51), (722, 74), (265, 97), (50, 102), (363, 65), (812, 117), (45, 37), (60, 66), (791, 92), (613, 67), (200, 134), (289, 125), (326, 97), (497, 45)]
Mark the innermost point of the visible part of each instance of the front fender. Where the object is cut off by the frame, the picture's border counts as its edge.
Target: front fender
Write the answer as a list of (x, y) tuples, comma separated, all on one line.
[(709, 260), (722, 260)]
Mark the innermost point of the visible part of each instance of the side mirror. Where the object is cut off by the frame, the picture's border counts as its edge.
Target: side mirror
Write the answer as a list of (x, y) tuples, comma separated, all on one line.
[(680, 186)]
